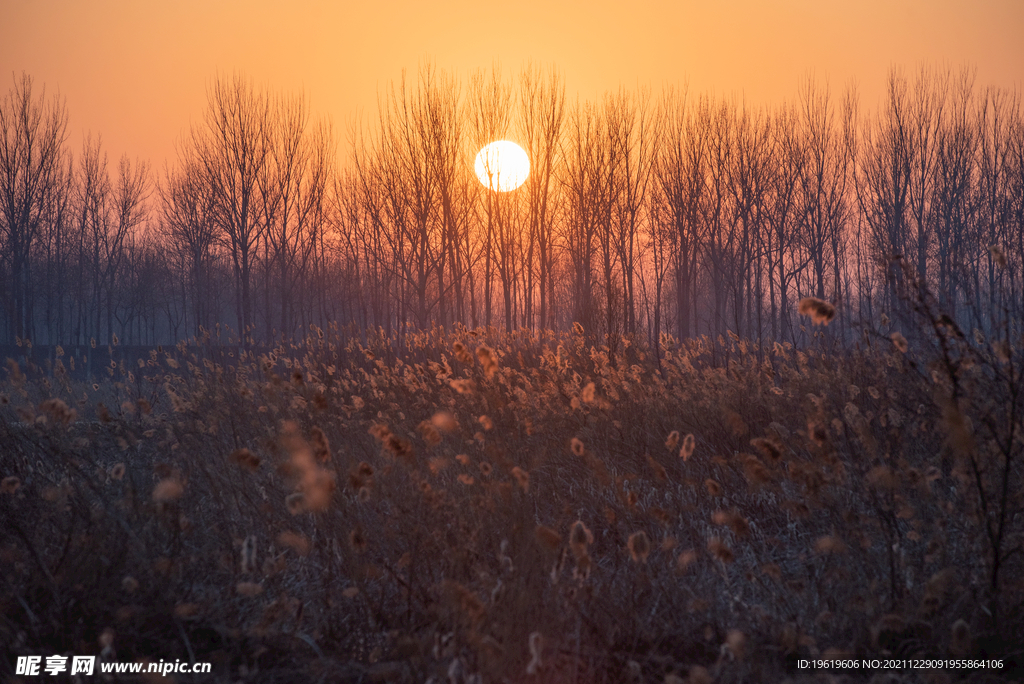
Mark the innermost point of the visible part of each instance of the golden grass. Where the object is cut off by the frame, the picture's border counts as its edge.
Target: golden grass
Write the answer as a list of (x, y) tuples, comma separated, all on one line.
[(522, 507)]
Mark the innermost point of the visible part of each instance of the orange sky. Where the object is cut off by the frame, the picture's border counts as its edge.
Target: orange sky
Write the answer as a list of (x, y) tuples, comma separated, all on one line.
[(136, 71)]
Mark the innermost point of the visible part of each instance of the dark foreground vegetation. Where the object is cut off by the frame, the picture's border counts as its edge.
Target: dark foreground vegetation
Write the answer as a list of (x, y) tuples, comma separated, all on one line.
[(481, 508)]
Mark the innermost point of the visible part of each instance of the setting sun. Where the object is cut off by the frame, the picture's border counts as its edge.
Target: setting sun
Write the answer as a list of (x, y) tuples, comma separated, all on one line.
[(502, 166)]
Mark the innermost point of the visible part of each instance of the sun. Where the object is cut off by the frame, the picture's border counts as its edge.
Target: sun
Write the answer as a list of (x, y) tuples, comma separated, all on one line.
[(502, 166)]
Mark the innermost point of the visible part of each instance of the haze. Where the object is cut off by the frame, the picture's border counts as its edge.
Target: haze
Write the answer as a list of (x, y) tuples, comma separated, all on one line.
[(136, 73)]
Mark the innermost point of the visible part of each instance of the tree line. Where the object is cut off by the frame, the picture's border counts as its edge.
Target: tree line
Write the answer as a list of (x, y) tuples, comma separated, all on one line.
[(644, 214)]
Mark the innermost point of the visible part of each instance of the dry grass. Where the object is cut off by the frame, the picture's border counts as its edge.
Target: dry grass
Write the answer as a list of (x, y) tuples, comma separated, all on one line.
[(516, 509)]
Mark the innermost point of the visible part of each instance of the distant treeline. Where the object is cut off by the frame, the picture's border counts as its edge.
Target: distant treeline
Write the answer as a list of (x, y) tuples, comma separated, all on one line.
[(644, 214)]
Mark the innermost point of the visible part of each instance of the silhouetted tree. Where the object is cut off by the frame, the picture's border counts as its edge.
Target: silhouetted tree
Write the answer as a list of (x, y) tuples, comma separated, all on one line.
[(634, 127), (823, 198), (585, 188), (542, 116), (695, 217), (232, 149), (190, 232), (32, 164)]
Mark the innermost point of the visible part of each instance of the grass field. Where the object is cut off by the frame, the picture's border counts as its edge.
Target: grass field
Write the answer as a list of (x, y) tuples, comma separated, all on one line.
[(486, 508)]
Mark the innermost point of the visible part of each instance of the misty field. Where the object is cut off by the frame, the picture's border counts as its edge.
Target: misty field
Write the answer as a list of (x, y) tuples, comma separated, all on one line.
[(479, 507)]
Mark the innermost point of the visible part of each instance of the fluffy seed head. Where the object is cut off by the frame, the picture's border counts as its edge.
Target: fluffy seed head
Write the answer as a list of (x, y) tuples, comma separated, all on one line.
[(829, 545), (960, 638), (430, 433), (686, 559), (522, 477), (689, 443), (659, 470), (720, 550), (755, 471), (771, 449), (548, 537), (462, 354), (821, 312), (736, 522), (295, 541), (321, 447), (168, 489), (639, 546), (314, 482), (463, 386), (444, 421), (736, 642), (58, 411), (487, 360), (245, 459), (579, 538), (700, 675)]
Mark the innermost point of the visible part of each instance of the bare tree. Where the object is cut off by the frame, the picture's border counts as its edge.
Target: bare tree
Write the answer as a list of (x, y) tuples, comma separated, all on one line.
[(883, 173), (585, 188), (189, 229), (748, 181), (681, 175), (635, 129), (720, 229), (108, 212), (131, 210), (442, 130), (691, 217), (401, 190), (32, 159), (293, 193), (955, 199), (232, 148), (823, 198), (927, 112), (782, 231), (997, 111), (56, 250), (1015, 241), (490, 111), (542, 116)]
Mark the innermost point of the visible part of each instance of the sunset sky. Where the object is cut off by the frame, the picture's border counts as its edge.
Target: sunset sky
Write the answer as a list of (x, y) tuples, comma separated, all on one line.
[(136, 72)]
